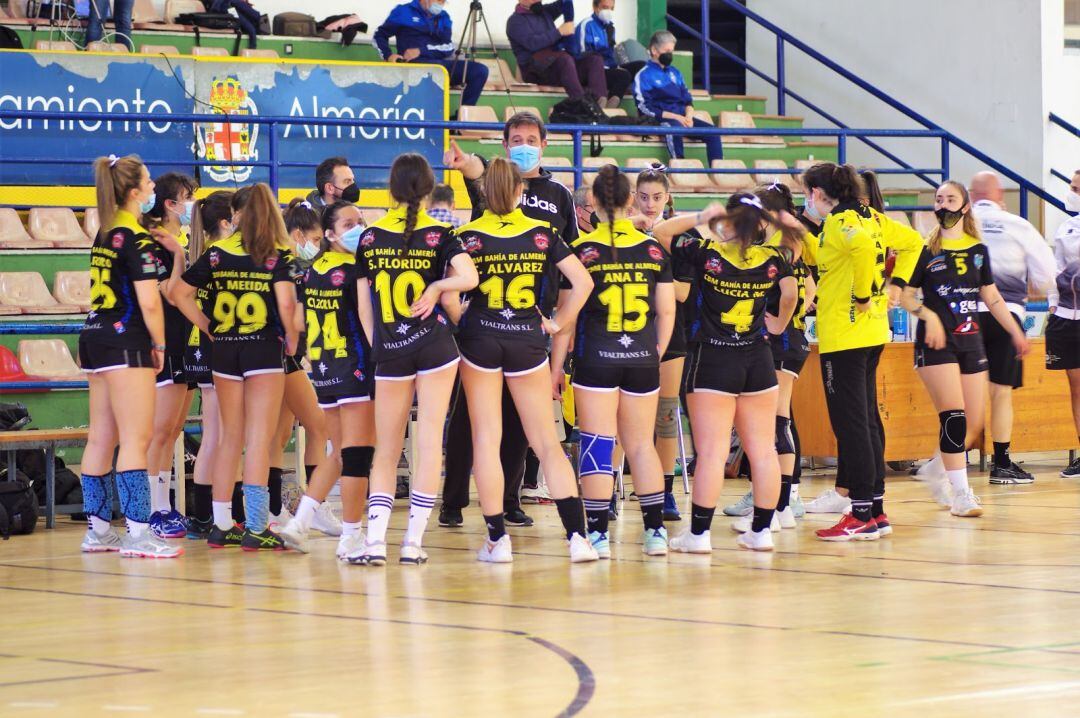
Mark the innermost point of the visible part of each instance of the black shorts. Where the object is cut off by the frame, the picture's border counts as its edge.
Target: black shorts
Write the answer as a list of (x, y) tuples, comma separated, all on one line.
[(96, 358), (428, 359), (971, 361), (734, 371), (1006, 368), (1062, 343), (789, 350), (238, 360), (341, 382), (172, 372), (512, 356), (632, 380), (197, 364), (293, 364), (676, 348)]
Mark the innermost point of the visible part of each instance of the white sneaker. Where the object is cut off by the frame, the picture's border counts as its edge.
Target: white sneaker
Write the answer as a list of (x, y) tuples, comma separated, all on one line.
[(496, 551), (743, 507), (743, 524), (325, 521), (538, 495), (411, 553), (756, 540), (148, 546), (931, 469), (294, 536), (372, 553), (93, 542), (581, 550), (786, 518), (279, 521), (965, 503), (687, 542), (348, 544), (940, 489), (829, 502)]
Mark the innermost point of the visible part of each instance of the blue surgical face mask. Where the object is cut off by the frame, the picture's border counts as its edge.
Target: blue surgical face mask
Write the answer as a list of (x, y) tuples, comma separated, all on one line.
[(185, 214), (351, 238), (436, 8), (810, 210), (526, 157), (148, 205), (306, 250)]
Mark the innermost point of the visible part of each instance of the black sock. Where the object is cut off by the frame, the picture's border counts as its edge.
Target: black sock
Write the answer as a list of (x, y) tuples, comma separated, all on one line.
[(274, 484), (878, 507), (496, 527), (204, 497), (862, 510), (762, 518), (238, 514), (669, 483), (572, 514), (652, 510), (309, 469), (700, 519), (785, 493), (1002, 460), (596, 514)]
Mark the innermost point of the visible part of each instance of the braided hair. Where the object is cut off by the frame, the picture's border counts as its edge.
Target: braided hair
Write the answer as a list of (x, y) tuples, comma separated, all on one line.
[(411, 181), (611, 190)]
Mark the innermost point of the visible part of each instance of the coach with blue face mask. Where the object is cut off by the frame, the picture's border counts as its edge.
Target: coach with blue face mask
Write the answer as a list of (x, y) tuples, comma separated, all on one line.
[(423, 29)]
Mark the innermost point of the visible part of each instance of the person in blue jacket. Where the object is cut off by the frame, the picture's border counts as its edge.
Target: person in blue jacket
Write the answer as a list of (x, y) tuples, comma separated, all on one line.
[(661, 94), (423, 32), (539, 47), (596, 34)]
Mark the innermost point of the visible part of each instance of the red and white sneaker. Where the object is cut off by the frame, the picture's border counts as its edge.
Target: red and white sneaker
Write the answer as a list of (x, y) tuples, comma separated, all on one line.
[(850, 528), (884, 528)]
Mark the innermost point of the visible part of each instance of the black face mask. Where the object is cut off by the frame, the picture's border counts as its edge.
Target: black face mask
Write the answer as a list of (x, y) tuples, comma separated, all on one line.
[(948, 218), (666, 58), (351, 194), (594, 219)]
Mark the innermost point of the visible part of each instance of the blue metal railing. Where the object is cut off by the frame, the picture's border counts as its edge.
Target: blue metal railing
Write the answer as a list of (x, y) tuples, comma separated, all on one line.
[(1069, 127), (783, 37)]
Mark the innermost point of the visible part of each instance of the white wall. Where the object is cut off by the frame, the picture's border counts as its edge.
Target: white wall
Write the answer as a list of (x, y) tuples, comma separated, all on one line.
[(1061, 95)]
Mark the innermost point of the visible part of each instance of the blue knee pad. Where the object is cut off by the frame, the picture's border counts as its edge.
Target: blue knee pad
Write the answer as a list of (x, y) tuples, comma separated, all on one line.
[(595, 454), (97, 496), (134, 489)]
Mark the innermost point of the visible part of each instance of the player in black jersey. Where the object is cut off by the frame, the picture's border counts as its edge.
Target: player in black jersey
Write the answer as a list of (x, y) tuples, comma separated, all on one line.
[(729, 375), (121, 346), (171, 215), (503, 333), (341, 374), (405, 261), (252, 328), (954, 275), (621, 334)]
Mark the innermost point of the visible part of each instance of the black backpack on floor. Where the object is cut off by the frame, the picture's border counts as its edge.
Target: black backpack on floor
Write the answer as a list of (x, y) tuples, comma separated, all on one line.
[(579, 111), (18, 506)]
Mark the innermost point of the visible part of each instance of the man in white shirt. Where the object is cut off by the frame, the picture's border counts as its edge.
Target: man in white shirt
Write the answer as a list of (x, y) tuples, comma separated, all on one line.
[(1063, 326)]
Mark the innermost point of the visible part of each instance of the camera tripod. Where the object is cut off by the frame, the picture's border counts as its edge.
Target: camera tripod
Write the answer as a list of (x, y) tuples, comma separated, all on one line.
[(466, 48)]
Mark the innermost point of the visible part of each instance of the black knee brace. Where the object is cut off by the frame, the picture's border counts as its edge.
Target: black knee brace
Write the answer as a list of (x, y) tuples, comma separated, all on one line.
[(953, 436), (785, 443), (356, 460)]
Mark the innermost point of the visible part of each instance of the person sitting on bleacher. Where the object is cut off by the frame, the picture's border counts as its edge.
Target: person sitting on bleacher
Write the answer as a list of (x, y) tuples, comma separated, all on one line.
[(661, 94), (423, 32), (536, 43), (596, 33)]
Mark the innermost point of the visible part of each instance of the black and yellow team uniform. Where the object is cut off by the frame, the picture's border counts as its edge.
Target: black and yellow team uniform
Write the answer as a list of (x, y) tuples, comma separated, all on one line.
[(678, 346), (114, 335), (247, 330), (516, 259), (338, 350), (177, 327), (950, 282), (615, 348), (728, 352), (198, 352), (399, 269), (790, 349), (294, 362)]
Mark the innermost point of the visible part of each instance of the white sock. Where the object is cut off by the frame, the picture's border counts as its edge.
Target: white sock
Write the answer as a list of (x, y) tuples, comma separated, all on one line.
[(380, 506), (958, 478), (934, 467), (794, 493), (155, 493), (420, 506), (305, 512), (136, 529), (100, 525), (223, 514), (348, 528)]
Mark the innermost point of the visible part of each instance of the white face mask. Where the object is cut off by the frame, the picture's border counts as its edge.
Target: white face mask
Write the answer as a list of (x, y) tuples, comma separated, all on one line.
[(1072, 201), (606, 15)]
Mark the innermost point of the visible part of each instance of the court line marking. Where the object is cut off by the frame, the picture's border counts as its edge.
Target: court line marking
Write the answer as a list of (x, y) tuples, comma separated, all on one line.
[(32, 704), (121, 671), (1044, 689)]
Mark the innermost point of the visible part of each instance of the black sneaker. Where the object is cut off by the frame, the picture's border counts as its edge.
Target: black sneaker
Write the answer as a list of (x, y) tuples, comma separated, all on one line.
[(1011, 474), (1072, 471), (402, 490), (199, 530), (266, 541), (613, 510), (517, 517), (450, 518), (225, 539)]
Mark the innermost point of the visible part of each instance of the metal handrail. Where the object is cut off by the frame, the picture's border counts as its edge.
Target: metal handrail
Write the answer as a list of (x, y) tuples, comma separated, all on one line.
[(1069, 127)]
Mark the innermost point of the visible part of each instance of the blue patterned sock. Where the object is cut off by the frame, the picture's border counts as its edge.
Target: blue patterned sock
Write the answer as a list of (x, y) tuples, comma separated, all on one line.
[(257, 508), (134, 489), (97, 503)]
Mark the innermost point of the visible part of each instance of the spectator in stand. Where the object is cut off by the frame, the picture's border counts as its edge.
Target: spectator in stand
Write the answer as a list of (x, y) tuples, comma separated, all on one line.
[(334, 182), (535, 40), (596, 34), (441, 205), (247, 15), (99, 10), (423, 32), (660, 93)]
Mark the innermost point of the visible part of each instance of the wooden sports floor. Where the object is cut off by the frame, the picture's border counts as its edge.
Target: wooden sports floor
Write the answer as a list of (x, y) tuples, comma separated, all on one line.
[(948, 617)]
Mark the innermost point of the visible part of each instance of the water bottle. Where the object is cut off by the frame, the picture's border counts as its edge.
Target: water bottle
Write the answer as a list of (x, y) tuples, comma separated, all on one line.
[(898, 319)]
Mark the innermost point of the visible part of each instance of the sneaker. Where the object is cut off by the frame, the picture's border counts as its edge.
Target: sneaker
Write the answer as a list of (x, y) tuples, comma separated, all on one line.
[(450, 518), (225, 539), (798, 507), (613, 510), (401, 491), (294, 536), (687, 542), (325, 521), (348, 545), (517, 517), (829, 502), (850, 528), (654, 542), (1072, 471), (1011, 474), (940, 489), (930, 470), (199, 530), (266, 541), (93, 542), (496, 551), (373, 553), (786, 518), (743, 524), (168, 524), (280, 521), (756, 540), (884, 526), (671, 508), (536, 495), (411, 553), (581, 550), (965, 503), (743, 507), (600, 542), (148, 546)]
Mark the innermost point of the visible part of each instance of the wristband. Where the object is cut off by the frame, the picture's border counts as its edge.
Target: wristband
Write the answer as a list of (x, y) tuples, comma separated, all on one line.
[(159, 347)]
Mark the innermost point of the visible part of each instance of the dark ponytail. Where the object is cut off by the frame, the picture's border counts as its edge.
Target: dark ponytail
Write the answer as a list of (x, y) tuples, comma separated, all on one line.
[(838, 182), (411, 181), (206, 217), (611, 190), (872, 190), (746, 213)]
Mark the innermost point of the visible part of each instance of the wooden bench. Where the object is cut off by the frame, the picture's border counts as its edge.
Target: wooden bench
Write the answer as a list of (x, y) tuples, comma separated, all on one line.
[(50, 440)]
